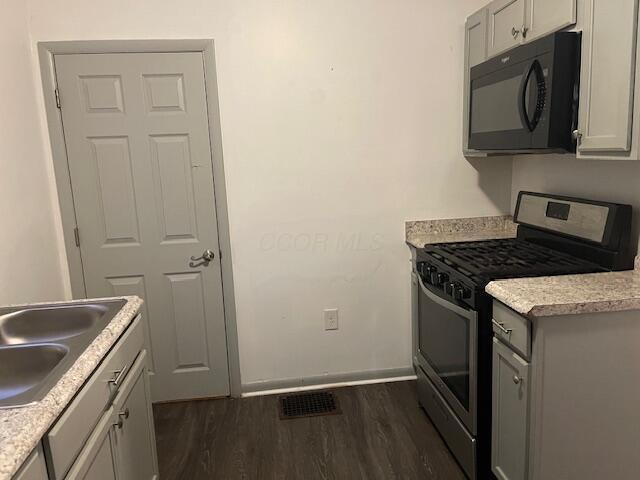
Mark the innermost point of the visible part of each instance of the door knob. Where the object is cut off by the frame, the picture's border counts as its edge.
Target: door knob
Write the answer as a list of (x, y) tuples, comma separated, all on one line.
[(577, 136), (517, 379), (204, 259), (515, 32)]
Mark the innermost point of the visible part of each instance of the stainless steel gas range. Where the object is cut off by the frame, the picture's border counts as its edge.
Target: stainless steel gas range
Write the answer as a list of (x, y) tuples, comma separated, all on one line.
[(452, 317)]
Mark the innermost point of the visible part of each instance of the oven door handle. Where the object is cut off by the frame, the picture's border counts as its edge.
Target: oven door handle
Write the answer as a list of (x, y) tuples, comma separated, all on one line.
[(469, 314)]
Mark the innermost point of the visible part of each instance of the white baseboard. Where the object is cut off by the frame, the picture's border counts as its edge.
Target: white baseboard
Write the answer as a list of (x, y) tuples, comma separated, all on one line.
[(274, 387)]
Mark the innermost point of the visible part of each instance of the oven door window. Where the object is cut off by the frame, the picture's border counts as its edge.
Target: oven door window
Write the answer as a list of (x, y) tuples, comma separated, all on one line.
[(444, 341)]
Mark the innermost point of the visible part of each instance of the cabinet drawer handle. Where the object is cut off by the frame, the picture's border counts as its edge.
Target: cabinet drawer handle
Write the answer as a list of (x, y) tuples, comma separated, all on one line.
[(122, 416), (517, 380), (119, 375), (503, 329)]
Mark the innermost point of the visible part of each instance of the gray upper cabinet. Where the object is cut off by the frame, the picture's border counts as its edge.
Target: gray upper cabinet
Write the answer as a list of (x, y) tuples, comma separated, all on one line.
[(476, 38), (607, 77), (509, 442), (475, 52), (513, 22), (547, 16), (506, 24)]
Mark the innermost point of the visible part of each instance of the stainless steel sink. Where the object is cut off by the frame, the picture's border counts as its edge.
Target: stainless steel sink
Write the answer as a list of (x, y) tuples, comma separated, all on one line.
[(39, 344), (48, 324), (24, 367)]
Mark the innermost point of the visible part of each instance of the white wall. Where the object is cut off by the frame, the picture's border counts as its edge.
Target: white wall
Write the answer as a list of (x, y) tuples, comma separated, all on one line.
[(29, 250), (340, 121), (613, 181)]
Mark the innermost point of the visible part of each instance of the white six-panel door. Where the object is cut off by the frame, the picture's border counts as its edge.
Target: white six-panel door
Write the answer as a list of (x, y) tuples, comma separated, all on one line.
[(137, 139)]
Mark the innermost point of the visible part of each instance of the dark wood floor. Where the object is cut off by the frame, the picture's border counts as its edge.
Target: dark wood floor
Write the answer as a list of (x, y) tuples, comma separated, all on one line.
[(381, 434)]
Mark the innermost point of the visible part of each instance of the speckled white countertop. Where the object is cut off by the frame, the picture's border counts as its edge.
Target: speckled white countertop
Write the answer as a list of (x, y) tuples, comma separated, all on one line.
[(22, 428), (570, 294), (420, 233)]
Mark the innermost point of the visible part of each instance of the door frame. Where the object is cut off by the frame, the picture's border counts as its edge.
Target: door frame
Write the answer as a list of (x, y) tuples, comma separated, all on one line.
[(46, 53)]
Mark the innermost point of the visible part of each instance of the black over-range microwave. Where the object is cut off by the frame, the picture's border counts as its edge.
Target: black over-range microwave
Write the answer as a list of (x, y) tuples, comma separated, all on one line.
[(526, 100)]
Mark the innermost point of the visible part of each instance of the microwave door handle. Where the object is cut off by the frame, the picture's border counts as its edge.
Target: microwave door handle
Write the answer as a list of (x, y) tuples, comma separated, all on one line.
[(541, 93), (532, 123), (522, 100)]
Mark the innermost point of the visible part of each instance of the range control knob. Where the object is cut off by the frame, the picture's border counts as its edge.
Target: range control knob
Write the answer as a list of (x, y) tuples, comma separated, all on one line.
[(441, 278), (460, 293), (449, 288), (424, 269), (432, 277)]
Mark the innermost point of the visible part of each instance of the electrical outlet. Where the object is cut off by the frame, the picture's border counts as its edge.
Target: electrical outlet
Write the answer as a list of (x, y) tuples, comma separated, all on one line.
[(331, 319)]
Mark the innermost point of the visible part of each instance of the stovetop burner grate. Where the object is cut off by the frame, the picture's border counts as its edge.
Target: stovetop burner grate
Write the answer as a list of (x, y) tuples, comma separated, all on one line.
[(507, 258)]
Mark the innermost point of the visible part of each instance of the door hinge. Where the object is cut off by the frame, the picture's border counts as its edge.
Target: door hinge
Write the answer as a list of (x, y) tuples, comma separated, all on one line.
[(57, 94), (76, 234)]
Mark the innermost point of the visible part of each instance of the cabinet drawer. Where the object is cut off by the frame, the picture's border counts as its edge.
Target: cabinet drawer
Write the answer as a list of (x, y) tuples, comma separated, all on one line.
[(512, 329), (68, 434)]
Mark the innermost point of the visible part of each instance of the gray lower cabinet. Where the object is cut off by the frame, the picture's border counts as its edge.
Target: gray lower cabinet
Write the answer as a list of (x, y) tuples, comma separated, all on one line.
[(66, 438), (567, 407), (97, 459), (121, 447), (34, 467), (106, 432), (509, 442), (133, 435)]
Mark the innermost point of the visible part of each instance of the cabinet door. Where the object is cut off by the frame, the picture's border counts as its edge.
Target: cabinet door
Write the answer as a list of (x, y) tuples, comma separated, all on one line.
[(607, 76), (510, 408), (96, 460), (506, 22), (475, 52), (34, 467), (134, 436), (547, 16)]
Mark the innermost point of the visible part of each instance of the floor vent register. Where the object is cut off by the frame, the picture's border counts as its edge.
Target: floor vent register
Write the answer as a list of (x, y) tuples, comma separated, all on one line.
[(311, 404)]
